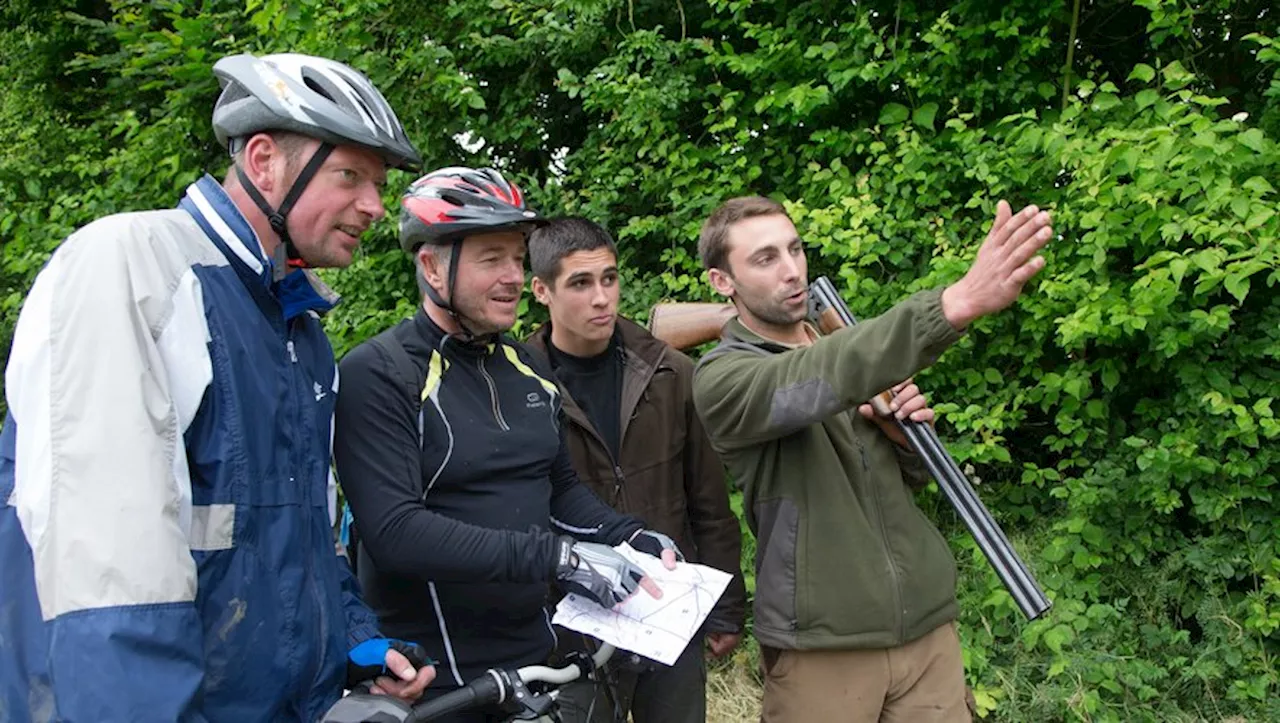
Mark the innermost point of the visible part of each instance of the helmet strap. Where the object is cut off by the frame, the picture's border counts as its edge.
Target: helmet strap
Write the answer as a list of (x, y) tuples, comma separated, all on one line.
[(286, 254), (452, 283)]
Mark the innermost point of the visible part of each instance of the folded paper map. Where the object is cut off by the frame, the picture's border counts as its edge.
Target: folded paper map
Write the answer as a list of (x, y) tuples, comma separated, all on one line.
[(658, 629)]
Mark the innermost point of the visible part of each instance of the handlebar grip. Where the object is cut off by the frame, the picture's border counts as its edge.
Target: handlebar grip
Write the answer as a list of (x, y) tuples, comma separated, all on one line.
[(478, 693)]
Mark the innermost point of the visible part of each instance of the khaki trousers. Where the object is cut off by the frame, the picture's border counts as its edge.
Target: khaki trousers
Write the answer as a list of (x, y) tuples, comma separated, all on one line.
[(920, 682)]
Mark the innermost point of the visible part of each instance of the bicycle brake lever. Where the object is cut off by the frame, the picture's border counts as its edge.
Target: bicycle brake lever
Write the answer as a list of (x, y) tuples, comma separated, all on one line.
[(525, 704)]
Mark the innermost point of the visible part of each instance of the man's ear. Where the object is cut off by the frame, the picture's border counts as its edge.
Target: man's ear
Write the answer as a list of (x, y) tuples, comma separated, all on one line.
[(433, 271), (721, 281), (264, 163), (541, 290)]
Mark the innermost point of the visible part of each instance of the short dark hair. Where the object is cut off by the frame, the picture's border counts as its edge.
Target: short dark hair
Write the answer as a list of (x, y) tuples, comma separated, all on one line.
[(549, 244), (713, 242)]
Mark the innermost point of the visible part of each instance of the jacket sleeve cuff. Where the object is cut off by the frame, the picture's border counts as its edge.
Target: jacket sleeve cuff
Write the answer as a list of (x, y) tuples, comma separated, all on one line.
[(628, 529), (719, 624), (361, 633), (939, 332)]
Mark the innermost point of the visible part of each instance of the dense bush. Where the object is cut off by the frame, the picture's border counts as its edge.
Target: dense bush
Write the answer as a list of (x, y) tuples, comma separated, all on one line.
[(1121, 420)]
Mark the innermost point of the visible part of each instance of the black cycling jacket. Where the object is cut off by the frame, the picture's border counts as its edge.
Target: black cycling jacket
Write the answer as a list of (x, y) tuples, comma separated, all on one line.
[(458, 533)]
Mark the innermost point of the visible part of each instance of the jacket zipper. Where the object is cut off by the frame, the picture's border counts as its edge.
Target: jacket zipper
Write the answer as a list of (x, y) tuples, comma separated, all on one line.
[(618, 477), (898, 612), (317, 599), (493, 397)]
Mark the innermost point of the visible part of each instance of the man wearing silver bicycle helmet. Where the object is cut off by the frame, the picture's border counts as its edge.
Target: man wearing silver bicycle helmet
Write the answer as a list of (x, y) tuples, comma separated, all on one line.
[(167, 508)]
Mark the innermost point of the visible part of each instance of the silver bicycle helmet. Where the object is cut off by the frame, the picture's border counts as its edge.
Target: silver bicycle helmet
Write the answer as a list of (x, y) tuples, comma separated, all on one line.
[(313, 96)]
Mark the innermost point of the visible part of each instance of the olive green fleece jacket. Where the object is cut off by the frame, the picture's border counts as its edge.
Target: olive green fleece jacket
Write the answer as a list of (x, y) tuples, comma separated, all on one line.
[(844, 558)]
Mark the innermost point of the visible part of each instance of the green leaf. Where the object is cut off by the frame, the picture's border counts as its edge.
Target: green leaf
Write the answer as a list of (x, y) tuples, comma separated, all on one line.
[(1240, 206), (566, 76), (1262, 407), (1176, 76), (1092, 534), (1111, 377), (1142, 72), (1259, 185), (1258, 218), (1209, 259), (923, 116), (1253, 139), (1237, 285), (1146, 97), (1105, 102), (1057, 636), (893, 114)]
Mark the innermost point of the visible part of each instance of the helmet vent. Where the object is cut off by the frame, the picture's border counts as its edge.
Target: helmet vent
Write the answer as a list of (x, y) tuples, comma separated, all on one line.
[(313, 85)]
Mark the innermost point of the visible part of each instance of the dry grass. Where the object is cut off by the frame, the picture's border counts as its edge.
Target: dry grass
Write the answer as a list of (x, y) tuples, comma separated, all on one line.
[(733, 688)]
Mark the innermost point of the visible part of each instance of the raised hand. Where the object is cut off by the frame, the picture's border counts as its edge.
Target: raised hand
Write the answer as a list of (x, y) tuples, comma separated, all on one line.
[(1006, 260)]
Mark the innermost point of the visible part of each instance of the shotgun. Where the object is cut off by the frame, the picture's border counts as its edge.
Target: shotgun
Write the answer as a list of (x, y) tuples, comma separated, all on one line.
[(685, 325), (831, 313)]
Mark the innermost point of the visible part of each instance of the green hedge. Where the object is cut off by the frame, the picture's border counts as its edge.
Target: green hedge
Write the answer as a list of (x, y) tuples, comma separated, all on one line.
[(1120, 421)]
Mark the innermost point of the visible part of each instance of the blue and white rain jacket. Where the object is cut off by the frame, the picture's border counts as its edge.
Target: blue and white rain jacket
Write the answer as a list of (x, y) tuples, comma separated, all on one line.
[(166, 549)]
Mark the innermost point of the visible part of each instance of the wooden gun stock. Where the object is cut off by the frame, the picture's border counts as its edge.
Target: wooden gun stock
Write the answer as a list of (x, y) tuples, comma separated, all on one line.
[(685, 325)]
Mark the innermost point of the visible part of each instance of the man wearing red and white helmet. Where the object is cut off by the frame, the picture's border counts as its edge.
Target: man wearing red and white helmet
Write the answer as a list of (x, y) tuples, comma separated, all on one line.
[(443, 208), (449, 446)]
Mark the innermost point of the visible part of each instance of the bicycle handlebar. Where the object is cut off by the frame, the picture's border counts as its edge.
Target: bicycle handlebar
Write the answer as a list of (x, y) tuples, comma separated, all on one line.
[(489, 688), (496, 686), (560, 676)]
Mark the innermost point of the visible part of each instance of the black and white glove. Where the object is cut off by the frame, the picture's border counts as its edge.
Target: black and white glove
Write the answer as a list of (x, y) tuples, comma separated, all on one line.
[(652, 542), (596, 571)]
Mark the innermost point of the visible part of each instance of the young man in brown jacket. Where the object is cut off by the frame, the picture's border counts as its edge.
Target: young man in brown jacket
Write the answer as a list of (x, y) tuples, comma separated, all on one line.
[(635, 440), (855, 599)]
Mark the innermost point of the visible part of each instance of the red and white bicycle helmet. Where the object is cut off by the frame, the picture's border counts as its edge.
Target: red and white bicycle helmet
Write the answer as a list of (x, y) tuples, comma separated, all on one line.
[(447, 205)]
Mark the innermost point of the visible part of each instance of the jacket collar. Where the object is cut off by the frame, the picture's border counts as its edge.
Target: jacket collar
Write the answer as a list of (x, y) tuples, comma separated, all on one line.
[(635, 342), (299, 292), (737, 332), (436, 337), (642, 356)]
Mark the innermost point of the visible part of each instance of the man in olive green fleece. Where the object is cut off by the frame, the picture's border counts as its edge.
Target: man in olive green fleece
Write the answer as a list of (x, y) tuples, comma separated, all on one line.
[(855, 589)]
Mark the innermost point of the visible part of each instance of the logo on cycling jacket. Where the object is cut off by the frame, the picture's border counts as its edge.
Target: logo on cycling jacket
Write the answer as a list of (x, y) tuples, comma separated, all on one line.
[(319, 390), (533, 400)]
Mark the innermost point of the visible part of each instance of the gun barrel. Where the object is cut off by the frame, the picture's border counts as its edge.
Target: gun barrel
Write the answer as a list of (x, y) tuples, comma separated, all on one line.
[(1012, 571)]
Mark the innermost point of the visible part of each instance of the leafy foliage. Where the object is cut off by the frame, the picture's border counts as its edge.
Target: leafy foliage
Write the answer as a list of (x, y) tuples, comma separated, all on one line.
[(1121, 419)]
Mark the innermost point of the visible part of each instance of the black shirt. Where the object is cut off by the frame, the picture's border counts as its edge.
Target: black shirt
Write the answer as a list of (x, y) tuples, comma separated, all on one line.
[(595, 383)]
